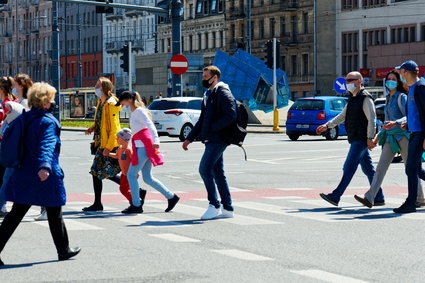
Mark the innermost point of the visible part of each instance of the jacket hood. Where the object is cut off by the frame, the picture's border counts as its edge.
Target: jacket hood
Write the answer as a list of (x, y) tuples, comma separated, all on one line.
[(421, 82), (226, 86)]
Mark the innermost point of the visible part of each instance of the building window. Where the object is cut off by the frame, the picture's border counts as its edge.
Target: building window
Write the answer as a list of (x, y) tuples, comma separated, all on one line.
[(305, 64), (261, 29), (282, 26), (305, 22), (232, 33), (403, 34), (373, 3), (350, 50), (190, 43), (349, 4), (423, 32), (294, 24), (272, 27), (191, 11)]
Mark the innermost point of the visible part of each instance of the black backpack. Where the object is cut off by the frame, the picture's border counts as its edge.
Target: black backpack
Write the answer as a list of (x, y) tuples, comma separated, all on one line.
[(236, 132)]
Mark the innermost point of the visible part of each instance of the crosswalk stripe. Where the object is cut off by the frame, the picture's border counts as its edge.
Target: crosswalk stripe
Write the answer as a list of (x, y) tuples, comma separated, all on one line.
[(150, 221), (174, 238), (327, 276), (72, 225), (238, 219), (242, 255)]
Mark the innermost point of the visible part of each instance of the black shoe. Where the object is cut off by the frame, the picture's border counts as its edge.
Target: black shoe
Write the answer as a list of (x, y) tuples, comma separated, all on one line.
[(329, 199), (94, 207), (142, 195), (419, 204), (1, 262), (363, 201), (172, 203), (405, 208), (70, 253), (379, 203), (133, 209)]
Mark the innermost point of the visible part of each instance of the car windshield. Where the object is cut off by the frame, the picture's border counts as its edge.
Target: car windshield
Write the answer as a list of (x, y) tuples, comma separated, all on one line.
[(308, 104), (167, 104)]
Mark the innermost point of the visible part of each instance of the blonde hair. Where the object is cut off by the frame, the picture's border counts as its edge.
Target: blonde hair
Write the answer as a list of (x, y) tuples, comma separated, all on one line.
[(40, 93), (106, 86)]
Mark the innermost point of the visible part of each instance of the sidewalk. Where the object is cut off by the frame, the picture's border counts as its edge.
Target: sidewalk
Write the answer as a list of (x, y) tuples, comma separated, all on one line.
[(252, 129)]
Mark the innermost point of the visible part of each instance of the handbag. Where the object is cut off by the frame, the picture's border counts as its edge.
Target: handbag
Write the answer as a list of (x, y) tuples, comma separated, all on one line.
[(93, 148)]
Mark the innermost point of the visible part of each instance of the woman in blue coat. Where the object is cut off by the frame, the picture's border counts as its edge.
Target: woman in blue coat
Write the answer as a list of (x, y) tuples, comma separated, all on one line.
[(39, 178)]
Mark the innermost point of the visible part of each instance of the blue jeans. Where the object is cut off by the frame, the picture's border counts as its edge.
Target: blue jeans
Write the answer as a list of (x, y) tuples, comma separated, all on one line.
[(414, 166), (145, 165), (211, 169), (7, 173), (358, 154)]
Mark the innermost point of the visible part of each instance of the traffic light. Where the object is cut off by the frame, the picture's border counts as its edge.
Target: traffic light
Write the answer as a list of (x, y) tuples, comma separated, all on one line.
[(125, 57), (269, 54), (103, 10)]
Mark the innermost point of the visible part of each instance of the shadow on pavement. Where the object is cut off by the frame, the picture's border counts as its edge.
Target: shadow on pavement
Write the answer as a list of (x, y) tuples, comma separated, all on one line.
[(12, 266), (168, 223)]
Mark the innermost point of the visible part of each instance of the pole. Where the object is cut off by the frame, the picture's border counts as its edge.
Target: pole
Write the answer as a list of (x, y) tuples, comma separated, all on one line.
[(248, 26), (315, 46), (64, 27), (176, 7), (55, 59), (17, 37), (80, 67), (130, 68), (275, 111)]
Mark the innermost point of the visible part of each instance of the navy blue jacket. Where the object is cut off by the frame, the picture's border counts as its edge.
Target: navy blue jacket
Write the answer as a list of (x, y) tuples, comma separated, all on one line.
[(218, 113), (41, 151), (420, 102)]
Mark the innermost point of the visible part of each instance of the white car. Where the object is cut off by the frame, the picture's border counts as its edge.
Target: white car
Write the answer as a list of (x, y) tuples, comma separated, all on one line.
[(175, 116)]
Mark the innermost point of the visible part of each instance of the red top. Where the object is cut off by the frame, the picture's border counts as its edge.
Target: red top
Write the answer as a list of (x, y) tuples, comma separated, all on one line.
[(124, 158)]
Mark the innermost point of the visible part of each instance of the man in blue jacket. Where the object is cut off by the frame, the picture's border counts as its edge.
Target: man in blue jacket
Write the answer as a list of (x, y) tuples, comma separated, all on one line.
[(409, 71), (218, 112)]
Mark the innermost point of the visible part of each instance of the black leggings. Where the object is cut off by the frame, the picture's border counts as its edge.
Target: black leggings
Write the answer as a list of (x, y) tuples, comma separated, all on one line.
[(97, 186), (56, 225)]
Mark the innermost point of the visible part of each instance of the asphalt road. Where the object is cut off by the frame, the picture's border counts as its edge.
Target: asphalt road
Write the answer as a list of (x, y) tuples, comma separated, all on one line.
[(282, 231)]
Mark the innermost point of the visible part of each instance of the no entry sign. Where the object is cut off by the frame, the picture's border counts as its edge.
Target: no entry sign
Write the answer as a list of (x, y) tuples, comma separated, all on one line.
[(179, 64)]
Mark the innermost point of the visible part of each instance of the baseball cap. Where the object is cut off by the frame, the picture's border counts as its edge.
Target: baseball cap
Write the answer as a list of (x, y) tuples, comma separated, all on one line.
[(408, 66), (125, 134)]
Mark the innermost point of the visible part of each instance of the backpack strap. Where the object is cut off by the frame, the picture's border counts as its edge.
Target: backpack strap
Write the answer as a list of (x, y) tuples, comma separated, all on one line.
[(399, 103)]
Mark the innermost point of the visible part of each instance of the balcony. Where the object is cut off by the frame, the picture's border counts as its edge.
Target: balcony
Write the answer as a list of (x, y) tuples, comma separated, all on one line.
[(138, 45), (116, 15), (114, 46), (133, 13)]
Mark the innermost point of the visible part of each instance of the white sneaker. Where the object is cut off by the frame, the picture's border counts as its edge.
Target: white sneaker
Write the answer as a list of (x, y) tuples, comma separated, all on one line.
[(211, 212), (226, 213), (41, 217)]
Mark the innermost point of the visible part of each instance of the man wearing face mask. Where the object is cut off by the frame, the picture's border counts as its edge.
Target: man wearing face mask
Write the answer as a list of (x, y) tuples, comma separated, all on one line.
[(416, 126), (359, 117), (218, 112)]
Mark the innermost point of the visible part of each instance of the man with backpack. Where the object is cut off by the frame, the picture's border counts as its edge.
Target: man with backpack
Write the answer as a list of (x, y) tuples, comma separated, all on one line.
[(218, 113)]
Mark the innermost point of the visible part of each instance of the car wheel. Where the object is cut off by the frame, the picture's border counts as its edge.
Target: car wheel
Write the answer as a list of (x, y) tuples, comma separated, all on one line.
[(186, 129), (293, 137), (332, 133)]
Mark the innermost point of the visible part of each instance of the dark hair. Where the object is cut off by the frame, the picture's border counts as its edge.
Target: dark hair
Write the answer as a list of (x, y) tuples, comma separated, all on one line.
[(400, 85), (25, 82), (6, 85)]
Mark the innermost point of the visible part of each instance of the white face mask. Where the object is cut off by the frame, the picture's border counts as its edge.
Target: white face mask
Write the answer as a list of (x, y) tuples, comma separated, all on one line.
[(351, 87), (98, 92)]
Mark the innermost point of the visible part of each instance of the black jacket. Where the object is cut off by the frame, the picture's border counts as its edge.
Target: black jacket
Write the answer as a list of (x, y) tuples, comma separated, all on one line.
[(420, 102), (355, 119), (217, 113)]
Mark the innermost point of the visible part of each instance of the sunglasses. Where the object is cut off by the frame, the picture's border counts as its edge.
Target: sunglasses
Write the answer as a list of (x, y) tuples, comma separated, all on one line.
[(351, 80)]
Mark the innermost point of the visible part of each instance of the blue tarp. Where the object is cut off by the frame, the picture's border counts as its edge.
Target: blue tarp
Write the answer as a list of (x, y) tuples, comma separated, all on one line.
[(251, 80)]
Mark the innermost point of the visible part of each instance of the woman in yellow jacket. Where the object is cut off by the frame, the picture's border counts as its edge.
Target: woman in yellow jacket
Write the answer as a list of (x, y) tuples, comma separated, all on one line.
[(105, 128)]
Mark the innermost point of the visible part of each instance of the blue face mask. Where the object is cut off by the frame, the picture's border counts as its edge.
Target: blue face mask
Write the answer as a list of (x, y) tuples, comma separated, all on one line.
[(391, 85), (15, 92), (402, 79)]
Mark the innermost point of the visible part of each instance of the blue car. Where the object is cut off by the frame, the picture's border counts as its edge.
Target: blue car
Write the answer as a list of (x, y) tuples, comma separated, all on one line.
[(306, 114)]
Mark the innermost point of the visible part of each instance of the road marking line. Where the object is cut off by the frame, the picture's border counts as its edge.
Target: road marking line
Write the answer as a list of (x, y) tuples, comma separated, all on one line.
[(262, 161), (174, 238), (71, 225), (238, 219), (285, 197), (326, 276), (242, 255), (295, 189)]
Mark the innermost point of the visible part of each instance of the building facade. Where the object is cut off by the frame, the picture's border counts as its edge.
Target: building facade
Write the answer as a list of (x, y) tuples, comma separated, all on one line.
[(25, 38), (122, 26), (376, 36), (203, 30), (80, 45), (291, 23)]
